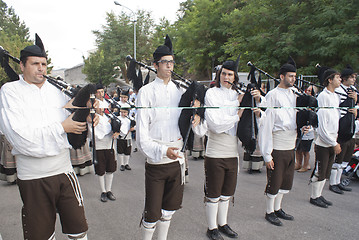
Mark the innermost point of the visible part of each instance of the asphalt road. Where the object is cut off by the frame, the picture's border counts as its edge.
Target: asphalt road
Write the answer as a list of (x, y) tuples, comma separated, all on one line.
[(120, 219)]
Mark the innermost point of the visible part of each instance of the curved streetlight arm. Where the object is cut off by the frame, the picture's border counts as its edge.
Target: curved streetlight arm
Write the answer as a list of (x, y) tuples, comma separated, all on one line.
[(134, 15), (134, 26)]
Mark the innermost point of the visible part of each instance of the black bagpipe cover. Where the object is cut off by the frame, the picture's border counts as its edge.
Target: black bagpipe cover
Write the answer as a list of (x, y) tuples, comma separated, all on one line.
[(115, 123), (194, 91), (307, 101), (346, 123), (133, 123), (245, 128), (81, 99), (306, 117), (346, 132)]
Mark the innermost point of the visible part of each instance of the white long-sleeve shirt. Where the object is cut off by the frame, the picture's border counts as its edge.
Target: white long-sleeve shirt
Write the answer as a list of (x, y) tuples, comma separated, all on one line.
[(31, 120), (278, 128), (103, 133), (157, 127), (222, 122), (125, 127), (328, 119)]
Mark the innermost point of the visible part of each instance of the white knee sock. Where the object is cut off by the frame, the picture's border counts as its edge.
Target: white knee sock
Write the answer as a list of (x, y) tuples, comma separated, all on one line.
[(211, 213), (147, 230), (108, 180), (333, 177), (270, 202), (315, 189), (278, 201), (162, 229), (120, 158), (322, 183), (80, 236), (339, 175), (223, 205), (126, 158), (102, 183)]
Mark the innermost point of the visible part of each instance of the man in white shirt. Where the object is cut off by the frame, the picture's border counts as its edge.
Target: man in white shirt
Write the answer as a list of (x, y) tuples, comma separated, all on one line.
[(276, 140), (221, 157), (35, 122), (348, 97), (159, 138), (124, 145), (326, 145), (104, 142)]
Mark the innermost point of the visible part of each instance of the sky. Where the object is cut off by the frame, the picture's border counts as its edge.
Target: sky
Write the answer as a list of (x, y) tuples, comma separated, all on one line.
[(65, 26)]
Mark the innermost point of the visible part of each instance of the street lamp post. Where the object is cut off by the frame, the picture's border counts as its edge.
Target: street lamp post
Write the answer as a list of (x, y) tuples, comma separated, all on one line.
[(134, 27)]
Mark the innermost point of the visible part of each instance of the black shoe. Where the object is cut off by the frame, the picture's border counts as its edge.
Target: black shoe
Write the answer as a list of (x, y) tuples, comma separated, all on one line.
[(122, 167), (344, 188), (273, 219), (329, 203), (227, 230), (214, 234), (111, 196), (318, 202), (281, 214), (135, 150), (336, 189), (103, 197), (127, 167)]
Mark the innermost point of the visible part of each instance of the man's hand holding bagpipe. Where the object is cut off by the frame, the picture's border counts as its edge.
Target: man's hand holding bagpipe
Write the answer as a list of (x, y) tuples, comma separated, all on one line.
[(96, 118), (352, 94), (256, 94), (71, 126), (196, 120), (115, 135)]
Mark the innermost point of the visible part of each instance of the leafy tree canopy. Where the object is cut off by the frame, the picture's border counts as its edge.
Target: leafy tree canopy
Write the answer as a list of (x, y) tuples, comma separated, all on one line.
[(115, 42)]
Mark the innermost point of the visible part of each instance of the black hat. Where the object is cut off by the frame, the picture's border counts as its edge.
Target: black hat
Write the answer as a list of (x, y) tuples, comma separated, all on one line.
[(290, 66), (99, 86), (36, 50), (232, 65), (125, 93), (324, 73), (347, 71), (164, 50)]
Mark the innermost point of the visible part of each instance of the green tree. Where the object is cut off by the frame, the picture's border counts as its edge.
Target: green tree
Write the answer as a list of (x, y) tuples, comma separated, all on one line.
[(201, 34), (312, 31), (99, 68), (14, 36), (115, 42)]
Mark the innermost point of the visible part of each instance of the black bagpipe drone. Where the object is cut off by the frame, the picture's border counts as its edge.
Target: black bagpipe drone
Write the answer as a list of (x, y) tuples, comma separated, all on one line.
[(80, 95), (194, 91)]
